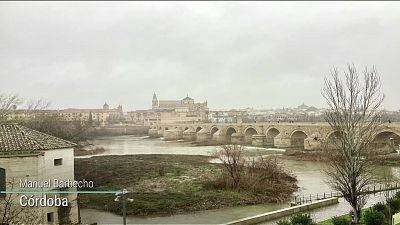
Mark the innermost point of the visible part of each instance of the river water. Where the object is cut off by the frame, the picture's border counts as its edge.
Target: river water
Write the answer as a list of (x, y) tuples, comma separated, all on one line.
[(311, 180)]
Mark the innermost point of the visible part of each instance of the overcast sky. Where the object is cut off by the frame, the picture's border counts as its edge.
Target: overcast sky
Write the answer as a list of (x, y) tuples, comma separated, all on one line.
[(233, 54)]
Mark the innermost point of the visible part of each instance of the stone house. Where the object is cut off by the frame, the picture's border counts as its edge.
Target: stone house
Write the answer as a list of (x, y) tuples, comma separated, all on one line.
[(29, 155)]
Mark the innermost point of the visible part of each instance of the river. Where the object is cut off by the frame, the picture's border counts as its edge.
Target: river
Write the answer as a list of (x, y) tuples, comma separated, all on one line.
[(311, 180)]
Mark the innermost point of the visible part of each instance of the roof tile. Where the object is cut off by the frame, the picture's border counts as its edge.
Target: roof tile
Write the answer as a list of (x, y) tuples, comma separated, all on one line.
[(15, 137)]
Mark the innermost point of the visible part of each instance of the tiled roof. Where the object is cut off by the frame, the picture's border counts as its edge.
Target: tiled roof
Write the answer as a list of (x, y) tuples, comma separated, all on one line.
[(15, 137)]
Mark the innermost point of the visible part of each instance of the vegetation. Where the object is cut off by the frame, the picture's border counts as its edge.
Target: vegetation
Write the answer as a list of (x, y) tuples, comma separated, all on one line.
[(8, 102), (380, 213), (160, 184), (354, 117), (11, 211), (341, 221), (373, 217), (35, 117), (54, 125), (299, 219), (260, 176)]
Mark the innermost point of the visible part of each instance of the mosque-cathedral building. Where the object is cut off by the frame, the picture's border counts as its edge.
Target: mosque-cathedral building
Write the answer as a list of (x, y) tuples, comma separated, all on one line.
[(171, 111)]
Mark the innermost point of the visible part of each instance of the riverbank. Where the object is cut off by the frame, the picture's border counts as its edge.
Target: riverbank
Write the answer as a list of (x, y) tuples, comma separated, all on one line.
[(386, 159), (82, 151), (159, 184)]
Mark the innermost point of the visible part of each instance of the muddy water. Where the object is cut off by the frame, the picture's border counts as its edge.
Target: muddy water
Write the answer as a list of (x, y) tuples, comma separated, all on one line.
[(311, 180)]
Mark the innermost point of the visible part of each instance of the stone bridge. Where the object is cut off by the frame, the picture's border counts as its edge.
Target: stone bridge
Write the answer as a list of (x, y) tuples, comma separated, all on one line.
[(309, 136)]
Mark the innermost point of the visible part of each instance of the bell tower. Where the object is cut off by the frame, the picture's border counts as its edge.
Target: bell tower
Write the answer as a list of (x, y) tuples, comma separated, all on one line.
[(154, 102)]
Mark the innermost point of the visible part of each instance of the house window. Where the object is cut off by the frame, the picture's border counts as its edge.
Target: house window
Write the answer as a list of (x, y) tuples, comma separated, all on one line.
[(2, 182), (58, 162), (50, 217)]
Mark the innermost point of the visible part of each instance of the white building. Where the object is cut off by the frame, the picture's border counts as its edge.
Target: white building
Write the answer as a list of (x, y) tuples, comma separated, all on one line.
[(26, 154)]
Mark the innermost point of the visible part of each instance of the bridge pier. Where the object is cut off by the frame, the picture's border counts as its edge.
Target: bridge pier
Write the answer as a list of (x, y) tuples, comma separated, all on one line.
[(282, 141), (237, 138), (161, 133), (269, 141), (258, 140), (313, 142), (219, 137), (153, 133), (174, 134), (203, 136), (189, 135)]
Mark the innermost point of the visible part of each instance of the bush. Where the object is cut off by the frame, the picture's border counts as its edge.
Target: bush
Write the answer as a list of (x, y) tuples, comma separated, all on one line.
[(394, 204), (397, 196), (261, 176), (302, 219), (341, 221), (383, 208), (284, 222), (380, 207), (373, 217)]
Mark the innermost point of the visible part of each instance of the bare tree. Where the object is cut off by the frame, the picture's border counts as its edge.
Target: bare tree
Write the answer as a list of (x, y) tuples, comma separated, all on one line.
[(232, 159), (36, 105), (353, 113), (8, 102), (12, 213)]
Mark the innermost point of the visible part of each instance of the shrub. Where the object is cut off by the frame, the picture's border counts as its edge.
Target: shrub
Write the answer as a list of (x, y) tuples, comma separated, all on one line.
[(380, 207), (394, 204), (263, 177), (341, 221), (302, 219), (383, 208), (373, 217), (397, 196), (284, 222)]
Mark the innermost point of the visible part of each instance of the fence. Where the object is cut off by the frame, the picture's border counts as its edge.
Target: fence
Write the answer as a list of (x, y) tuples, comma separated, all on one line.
[(303, 199)]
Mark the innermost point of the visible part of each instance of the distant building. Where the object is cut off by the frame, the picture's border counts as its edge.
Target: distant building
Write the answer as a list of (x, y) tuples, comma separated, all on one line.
[(227, 116), (170, 111), (35, 156), (100, 116)]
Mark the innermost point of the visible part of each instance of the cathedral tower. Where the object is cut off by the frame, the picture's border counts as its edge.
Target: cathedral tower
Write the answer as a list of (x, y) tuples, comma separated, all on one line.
[(154, 102)]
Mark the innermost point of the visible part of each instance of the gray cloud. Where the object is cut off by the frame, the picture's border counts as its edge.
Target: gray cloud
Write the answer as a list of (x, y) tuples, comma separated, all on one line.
[(233, 54)]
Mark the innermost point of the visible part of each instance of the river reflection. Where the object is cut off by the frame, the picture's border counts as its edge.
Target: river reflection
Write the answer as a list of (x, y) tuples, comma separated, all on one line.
[(311, 180)]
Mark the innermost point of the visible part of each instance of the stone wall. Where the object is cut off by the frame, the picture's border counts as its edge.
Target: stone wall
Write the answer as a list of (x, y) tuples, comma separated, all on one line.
[(40, 167), (118, 130)]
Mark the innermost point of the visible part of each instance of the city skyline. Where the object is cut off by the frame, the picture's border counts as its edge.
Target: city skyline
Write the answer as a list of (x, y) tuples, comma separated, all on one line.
[(233, 54)]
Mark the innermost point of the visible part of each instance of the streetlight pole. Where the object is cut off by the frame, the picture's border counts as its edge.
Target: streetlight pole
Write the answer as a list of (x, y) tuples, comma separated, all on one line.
[(121, 196), (124, 211)]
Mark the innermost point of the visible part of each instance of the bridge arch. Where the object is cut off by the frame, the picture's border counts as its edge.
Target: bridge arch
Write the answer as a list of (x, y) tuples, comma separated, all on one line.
[(248, 134), (332, 140), (297, 139), (386, 140), (198, 129), (229, 132), (186, 128), (213, 130), (270, 134)]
